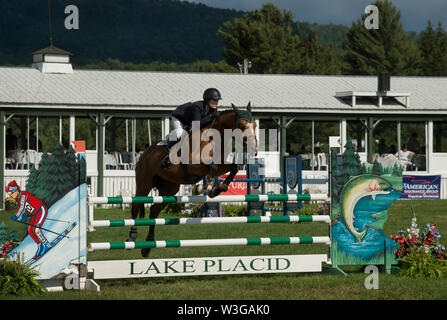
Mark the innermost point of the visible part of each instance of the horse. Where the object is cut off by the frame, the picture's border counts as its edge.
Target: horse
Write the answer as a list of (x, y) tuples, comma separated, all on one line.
[(167, 181)]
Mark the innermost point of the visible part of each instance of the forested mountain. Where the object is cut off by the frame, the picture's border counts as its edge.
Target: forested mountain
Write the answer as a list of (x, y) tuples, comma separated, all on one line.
[(138, 31)]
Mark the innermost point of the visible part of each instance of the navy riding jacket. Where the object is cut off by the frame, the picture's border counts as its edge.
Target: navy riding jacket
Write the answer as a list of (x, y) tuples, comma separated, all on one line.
[(194, 111)]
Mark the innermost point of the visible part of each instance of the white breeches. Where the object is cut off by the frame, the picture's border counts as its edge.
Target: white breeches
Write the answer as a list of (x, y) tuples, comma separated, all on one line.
[(178, 129)]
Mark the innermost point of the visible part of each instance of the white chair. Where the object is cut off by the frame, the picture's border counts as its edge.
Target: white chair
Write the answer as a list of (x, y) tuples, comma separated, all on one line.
[(120, 163), (21, 160), (31, 157)]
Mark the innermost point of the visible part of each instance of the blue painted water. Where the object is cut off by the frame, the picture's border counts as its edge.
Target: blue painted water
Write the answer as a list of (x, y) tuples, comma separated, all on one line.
[(372, 244)]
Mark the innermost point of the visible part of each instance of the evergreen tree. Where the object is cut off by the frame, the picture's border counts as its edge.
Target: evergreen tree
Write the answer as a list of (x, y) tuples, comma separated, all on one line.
[(332, 59), (312, 55), (31, 182), (387, 49), (60, 180), (351, 162), (72, 167), (433, 47), (3, 233), (335, 186), (377, 168), (41, 191), (265, 37)]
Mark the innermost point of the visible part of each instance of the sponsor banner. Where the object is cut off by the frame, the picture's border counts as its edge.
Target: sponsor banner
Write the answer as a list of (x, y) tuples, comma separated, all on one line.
[(421, 187), (116, 269), (236, 188)]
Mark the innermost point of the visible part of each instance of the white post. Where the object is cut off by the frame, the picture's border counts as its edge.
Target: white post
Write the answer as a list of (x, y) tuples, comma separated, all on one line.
[(313, 147), (429, 144), (27, 133), (149, 131), (257, 129), (398, 135), (134, 138), (37, 133), (127, 136), (72, 129), (60, 130), (165, 127), (343, 135)]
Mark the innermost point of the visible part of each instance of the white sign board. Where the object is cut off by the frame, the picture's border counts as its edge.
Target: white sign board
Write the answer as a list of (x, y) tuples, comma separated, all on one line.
[(115, 269)]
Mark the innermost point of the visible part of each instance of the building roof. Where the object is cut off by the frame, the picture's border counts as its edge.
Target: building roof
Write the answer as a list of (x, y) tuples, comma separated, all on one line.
[(165, 90)]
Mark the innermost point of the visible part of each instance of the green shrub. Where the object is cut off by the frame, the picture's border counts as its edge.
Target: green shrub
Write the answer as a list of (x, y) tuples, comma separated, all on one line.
[(232, 210), (173, 209), (418, 263), (18, 279)]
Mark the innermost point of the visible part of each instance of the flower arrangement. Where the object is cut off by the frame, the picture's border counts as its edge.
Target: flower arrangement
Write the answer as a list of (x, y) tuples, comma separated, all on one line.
[(5, 249), (421, 253)]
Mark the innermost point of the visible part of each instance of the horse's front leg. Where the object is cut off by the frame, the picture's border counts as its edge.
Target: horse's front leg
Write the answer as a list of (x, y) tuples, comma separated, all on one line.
[(223, 186)]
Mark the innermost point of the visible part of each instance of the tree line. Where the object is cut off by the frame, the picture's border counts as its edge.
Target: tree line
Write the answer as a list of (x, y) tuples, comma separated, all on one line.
[(273, 42)]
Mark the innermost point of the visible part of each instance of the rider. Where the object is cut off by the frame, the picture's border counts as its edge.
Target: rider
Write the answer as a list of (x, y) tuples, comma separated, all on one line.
[(204, 111), (33, 207)]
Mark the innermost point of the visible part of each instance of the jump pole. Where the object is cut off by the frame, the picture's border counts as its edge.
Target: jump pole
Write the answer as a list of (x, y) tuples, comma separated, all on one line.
[(207, 243), (213, 220), (202, 199)]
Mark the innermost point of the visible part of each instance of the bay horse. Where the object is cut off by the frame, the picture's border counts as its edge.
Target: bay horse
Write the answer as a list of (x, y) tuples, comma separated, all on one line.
[(148, 173)]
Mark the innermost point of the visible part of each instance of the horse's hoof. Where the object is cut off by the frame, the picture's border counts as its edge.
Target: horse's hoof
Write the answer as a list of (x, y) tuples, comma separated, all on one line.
[(145, 252), (213, 193)]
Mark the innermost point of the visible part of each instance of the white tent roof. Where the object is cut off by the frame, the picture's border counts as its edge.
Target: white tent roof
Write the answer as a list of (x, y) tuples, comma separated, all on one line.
[(165, 90)]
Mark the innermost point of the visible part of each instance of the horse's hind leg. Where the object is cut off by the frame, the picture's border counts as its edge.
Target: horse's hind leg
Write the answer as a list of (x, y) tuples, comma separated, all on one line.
[(136, 208), (165, 189)]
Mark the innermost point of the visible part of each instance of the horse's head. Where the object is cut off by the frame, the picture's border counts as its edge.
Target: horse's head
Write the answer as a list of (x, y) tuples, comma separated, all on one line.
[(246, 123)]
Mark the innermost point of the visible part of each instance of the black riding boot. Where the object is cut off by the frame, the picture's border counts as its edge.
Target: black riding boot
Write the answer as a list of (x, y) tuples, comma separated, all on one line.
[(165, 163)]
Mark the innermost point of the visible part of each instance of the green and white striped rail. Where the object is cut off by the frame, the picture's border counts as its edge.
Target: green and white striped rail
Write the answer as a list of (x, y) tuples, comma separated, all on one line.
[(207, 243), (213, 220), (202, 199)]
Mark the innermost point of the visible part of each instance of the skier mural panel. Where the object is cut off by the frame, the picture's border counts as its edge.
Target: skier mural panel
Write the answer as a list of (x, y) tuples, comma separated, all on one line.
[(52, 205), (360, 200)]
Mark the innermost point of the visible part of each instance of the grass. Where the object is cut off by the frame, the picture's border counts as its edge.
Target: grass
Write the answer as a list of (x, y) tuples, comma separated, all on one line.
[(265, 287)]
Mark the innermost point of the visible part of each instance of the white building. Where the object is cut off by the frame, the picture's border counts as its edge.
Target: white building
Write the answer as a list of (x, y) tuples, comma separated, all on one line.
[(347, 104)]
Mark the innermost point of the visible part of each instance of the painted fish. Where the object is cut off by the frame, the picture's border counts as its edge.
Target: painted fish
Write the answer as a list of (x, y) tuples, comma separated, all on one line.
[(357, 188)]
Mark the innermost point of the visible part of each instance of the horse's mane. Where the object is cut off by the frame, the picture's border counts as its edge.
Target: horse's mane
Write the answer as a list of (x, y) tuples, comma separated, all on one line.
[(226, 111)]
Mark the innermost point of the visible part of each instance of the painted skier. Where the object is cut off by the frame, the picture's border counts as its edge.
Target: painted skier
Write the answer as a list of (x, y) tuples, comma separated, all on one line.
[(35, 208)]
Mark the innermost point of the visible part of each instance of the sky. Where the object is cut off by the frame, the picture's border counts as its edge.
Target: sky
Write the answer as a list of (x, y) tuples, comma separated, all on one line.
[(414, 13)]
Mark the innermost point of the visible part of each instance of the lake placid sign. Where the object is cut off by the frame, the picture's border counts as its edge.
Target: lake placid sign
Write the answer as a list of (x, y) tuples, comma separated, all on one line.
[(206, 266)]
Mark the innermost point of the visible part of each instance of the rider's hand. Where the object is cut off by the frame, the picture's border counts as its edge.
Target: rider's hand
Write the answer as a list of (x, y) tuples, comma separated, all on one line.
[(216, 114)]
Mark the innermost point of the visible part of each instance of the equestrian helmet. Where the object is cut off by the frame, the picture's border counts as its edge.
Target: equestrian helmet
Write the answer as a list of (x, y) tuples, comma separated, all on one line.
[(211, 94)]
